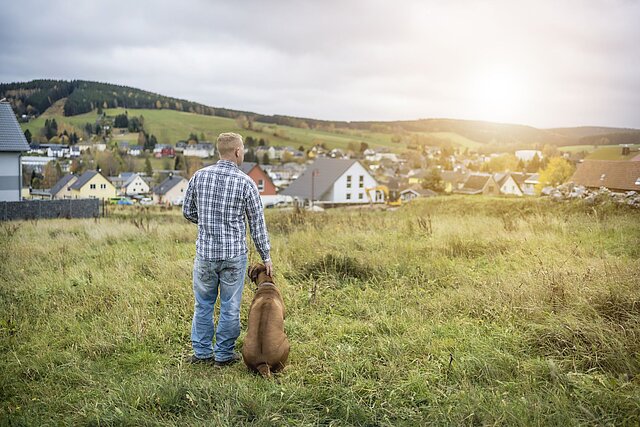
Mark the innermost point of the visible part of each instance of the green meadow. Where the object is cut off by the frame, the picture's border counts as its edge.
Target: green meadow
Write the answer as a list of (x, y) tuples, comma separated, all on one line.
[(447, 311), (170, 126)]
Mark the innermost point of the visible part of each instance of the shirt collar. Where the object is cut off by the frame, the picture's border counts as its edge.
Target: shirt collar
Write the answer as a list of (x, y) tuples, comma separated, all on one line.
[(223, 162)]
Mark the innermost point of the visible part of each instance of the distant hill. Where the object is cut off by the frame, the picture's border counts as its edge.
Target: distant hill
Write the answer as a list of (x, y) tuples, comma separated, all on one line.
[(79, 97)]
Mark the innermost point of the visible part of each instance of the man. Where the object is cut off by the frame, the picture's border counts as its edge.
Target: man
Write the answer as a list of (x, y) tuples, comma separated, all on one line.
[(218, 198)]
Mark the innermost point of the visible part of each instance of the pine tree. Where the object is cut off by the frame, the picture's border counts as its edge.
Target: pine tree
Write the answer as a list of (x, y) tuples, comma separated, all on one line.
[(148, 169)]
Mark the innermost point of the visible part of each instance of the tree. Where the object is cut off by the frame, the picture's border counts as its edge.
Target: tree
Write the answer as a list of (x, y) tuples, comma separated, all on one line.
[(179, 163), (121, 121), (193, 164), (148, 169), (27, 135), (557, 172), (151, 143), (433, 180), (265, 159), (534, 164), (52, 174)]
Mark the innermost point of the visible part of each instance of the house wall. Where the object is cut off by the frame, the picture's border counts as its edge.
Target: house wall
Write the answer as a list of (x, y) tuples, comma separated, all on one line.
[(510, 187), (491, 188), (138, 186), (65, 192), (257, 174), (173, 195), (339, 191), (10, 176), (97, 193)]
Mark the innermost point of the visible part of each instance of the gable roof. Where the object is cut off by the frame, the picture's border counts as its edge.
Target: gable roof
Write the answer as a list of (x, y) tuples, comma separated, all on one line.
[(247, 166), (476, 182), (168, 184), (328, 171), (453, 176), (613, 174), (62, 182), (130, 179), (83, 179), (11, 136)]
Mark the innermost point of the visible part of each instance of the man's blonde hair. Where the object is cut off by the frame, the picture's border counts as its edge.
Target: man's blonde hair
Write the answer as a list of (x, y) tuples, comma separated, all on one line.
[(228, 142)]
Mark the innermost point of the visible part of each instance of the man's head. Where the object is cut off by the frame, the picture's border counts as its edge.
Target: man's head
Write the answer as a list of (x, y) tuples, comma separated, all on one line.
[(230, 147)]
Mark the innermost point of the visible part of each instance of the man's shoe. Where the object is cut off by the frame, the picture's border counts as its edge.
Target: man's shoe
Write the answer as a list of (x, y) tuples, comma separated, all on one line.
[(204, 360), (236, 358)]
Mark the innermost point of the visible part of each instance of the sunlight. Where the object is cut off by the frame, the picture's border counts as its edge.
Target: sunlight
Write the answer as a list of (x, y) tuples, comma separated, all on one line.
[(498, 94)]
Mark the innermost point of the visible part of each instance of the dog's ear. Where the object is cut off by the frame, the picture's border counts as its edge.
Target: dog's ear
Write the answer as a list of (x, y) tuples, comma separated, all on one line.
[(254, 270)]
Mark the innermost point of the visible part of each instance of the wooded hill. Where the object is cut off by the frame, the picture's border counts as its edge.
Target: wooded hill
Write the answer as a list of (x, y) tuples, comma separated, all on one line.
[(36, 96)]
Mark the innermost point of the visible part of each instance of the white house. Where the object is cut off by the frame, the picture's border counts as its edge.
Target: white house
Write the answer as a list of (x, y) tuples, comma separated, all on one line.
[(508, 184), (130, 184), (332, 181), (171, 190), (12, 145), (528, 155), (202, 149)]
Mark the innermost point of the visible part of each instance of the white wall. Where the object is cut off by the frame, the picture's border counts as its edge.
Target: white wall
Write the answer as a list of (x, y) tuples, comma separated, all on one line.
[(338, 194), (10, 177)]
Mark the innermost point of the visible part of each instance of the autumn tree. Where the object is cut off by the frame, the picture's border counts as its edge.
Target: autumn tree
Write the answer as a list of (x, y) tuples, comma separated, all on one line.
[(433, 180), (558, 171)]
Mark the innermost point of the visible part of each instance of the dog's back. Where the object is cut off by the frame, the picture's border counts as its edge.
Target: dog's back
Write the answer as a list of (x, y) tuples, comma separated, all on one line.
[(266, 347)]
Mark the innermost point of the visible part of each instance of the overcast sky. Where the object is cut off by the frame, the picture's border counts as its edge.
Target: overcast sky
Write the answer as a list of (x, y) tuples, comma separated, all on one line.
[(542, 63)]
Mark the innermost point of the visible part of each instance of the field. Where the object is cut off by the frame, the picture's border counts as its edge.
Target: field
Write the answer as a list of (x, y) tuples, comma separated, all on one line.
[(449, 311), (170, 126), (602, 152)]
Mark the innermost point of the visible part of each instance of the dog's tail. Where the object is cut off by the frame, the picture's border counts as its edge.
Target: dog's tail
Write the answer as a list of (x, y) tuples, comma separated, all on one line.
[(264, 370)]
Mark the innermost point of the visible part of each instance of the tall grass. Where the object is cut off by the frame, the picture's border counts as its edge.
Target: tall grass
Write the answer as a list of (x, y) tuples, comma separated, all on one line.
[(452, 311)]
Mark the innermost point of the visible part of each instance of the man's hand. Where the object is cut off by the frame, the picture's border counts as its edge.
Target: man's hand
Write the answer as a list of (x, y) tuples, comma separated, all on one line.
[(269, 266)]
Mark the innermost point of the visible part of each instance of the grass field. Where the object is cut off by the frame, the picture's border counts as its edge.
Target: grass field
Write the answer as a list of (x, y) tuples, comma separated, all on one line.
[(450, 311), (602, 152), (170, 126)]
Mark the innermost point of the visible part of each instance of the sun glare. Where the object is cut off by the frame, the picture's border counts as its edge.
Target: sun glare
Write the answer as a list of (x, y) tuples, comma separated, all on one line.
[(498, 94)]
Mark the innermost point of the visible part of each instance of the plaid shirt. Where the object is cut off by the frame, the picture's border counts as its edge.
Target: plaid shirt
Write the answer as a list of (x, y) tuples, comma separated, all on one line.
[(217, 199)]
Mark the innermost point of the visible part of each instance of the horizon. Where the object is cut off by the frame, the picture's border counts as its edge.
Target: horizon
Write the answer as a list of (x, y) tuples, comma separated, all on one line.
[(561, 65)]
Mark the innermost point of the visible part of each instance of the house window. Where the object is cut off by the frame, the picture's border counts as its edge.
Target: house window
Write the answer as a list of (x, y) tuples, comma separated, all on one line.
[(348, 196), (103, 186), (361, 185), (261, 185), (360, 196), (348, 183), (92, 186)]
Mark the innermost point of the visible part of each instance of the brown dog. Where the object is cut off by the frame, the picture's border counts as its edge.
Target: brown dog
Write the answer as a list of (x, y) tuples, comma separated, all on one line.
[(266, 347)]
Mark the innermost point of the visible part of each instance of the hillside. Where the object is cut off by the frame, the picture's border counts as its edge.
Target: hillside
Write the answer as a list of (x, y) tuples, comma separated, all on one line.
[(79, 99), (449, 311)]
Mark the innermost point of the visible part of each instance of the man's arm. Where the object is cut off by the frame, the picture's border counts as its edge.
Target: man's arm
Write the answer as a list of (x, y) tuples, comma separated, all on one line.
[(190, 205), (257, 225)]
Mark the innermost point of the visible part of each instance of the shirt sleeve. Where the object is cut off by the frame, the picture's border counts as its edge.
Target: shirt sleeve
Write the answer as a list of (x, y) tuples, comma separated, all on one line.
[(190, 204), (257, 225)]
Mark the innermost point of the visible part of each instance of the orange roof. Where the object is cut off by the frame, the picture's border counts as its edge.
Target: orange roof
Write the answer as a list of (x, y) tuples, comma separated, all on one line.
[(613, 174)]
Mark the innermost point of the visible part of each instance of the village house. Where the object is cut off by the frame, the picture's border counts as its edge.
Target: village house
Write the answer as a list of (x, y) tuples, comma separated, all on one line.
[(616, 175), (202, 149), (12, 145), (332, 181), (129, 184), (56, 150), (529, 186), (479, 184), (528, 155), (136, 150), (416, 192), (284, 174), (453, 180), (62, 188), (164, 150), (260, 177), (92, 185), (507, 184), (171, 190)]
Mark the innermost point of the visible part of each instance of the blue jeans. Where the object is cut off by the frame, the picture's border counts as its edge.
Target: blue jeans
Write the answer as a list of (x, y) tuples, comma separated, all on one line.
[(209, 277)]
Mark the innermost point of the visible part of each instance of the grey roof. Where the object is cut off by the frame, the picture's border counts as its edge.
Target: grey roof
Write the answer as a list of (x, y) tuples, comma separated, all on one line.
[(63, 182), (83, 179), (168, 184), (11, 136), (129, 178), (329, 170), (247, 166)]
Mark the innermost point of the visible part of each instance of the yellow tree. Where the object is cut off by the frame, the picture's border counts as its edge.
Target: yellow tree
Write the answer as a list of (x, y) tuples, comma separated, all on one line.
[(557, 172)]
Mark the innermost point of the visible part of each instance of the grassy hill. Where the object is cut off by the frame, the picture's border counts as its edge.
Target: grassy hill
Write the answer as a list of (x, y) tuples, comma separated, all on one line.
[(451, 311)]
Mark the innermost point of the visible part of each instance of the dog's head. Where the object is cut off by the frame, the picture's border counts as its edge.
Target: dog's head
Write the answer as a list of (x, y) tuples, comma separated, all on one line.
[(254, 272)]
